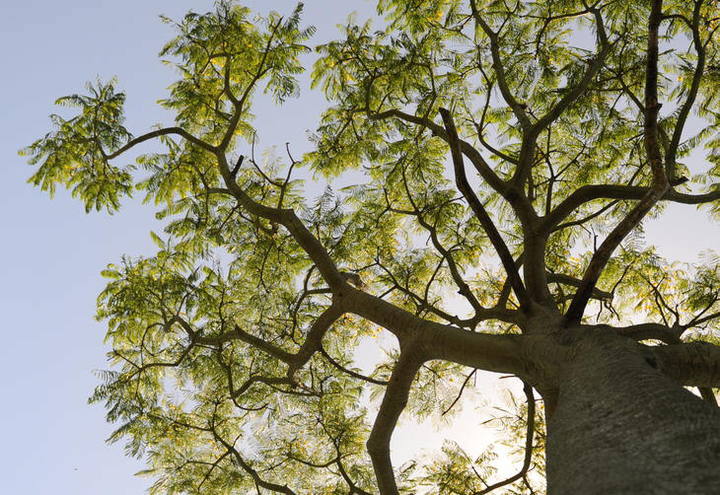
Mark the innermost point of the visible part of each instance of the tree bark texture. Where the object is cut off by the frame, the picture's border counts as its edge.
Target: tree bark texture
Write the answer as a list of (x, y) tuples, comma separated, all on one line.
[(621, 426)]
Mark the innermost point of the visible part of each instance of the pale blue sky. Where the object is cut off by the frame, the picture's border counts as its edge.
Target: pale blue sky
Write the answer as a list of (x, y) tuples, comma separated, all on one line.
[(52, 252)]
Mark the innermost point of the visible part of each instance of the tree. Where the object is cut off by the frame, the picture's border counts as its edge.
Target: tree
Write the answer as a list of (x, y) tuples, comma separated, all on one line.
[(503, 174)]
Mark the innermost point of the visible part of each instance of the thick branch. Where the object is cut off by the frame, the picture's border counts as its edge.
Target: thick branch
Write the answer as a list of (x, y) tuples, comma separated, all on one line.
[(498, 353), (693, 364), (660, 183), (313, 341), (560, 278), (393, 404), (651, 331), (692, 93), (593, 192)]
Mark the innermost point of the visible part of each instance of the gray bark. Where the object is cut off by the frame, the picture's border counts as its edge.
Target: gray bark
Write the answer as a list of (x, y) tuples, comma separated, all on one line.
[(621, 426)]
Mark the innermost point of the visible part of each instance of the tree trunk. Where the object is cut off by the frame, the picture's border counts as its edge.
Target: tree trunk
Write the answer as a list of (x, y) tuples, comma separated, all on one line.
[(619, 426)]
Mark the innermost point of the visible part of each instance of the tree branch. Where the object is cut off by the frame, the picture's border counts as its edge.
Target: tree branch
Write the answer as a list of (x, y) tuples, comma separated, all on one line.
[(481, 165), (275, 487), (651, 331), (571, 95), (529, 433), (495, 238), (692, 93), (312, 344), (393, 404), (693, 364), (499, 69), (593, 192), (287, 218), (560, 278), (161, 132), (660, 184)]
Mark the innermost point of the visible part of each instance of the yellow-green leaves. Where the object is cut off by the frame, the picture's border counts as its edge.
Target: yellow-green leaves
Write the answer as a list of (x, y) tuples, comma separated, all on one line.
[(225, 57), (74, 154)]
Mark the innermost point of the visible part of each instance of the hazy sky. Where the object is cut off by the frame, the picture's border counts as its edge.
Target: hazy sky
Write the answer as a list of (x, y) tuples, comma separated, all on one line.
[(52, 252)]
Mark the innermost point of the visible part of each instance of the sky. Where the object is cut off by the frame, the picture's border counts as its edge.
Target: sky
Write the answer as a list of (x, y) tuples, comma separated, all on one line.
[(52, 252)]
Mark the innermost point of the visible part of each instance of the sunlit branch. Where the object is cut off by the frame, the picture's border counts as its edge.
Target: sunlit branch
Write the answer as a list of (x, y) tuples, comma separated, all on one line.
[(161, 132)]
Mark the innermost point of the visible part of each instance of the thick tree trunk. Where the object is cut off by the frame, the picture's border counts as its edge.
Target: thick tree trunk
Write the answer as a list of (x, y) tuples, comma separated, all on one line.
[(619, 426)]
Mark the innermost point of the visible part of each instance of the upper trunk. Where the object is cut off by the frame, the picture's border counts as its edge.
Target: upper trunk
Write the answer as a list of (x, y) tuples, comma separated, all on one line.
[(619, 426)]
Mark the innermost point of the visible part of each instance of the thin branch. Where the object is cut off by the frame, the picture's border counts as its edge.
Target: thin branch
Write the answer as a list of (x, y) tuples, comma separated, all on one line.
[(350, 372), (529, 433), (275, 487), (481, 165), (161, 132), (460, 392), (517, 108), (495, 238)]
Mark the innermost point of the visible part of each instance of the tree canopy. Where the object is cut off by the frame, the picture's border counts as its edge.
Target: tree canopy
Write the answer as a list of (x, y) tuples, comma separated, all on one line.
[(504, 155)]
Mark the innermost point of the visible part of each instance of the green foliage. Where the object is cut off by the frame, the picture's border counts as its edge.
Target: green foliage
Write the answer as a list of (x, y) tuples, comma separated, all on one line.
[(73, 155), (201, 384), (226, 52)]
